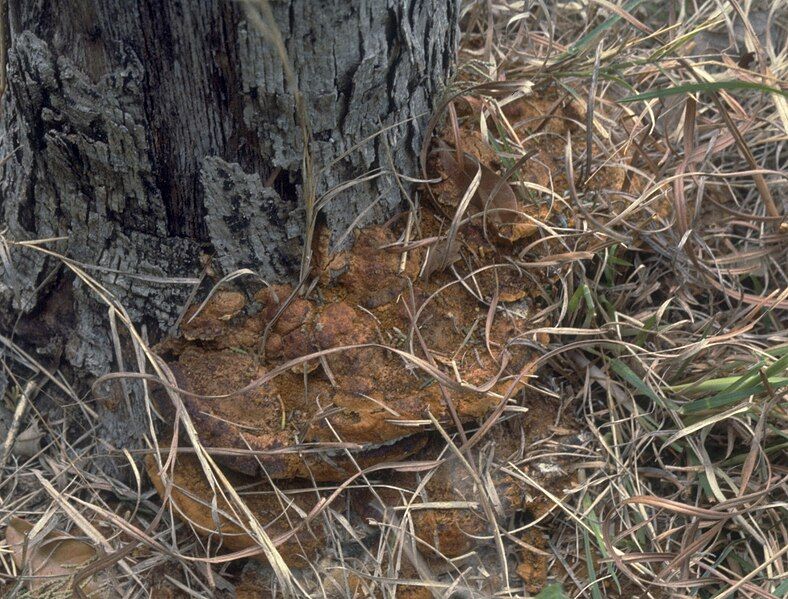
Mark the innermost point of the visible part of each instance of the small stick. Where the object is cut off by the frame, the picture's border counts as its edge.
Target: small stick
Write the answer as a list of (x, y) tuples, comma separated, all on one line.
[(28, 393), (408, 229), (455, 128)]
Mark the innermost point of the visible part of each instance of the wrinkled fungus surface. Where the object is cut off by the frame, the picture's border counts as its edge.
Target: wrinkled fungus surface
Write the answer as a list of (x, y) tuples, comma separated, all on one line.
[(353, 396), (396, 339)]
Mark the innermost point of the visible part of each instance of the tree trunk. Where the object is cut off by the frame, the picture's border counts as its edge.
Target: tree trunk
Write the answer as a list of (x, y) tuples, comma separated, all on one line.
[(148, 135)]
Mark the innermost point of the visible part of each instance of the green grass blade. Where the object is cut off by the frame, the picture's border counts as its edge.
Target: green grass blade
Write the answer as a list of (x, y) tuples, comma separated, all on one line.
[(732, 389), (712, 86), (552, 591), (626, 373), (589, 38)]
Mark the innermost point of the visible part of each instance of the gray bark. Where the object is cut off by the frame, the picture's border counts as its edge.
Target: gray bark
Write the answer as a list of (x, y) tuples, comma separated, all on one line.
[(143, 132)]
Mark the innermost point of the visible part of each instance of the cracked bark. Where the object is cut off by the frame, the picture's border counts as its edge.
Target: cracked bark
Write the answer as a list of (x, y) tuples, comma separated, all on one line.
[(142, 133)]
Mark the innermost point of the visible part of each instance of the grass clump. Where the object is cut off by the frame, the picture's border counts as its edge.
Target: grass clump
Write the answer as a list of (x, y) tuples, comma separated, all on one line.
[(674, 350), (644, 144)]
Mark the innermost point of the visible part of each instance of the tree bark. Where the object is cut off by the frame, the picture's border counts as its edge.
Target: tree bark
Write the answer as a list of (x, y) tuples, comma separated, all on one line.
[(150, 134)]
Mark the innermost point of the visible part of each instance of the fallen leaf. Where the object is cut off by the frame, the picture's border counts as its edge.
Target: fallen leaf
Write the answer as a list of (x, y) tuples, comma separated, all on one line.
[(494, 194), (516, 231), (440, 256), (28, 442), (512, 296), (52, 560)]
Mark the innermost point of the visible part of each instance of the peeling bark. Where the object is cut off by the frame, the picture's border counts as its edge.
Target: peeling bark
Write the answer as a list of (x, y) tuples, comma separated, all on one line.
[(143, 133)]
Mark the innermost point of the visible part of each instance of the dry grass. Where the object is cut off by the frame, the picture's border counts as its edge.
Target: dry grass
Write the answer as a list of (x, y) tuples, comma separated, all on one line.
[(682, 378), (667, 330)]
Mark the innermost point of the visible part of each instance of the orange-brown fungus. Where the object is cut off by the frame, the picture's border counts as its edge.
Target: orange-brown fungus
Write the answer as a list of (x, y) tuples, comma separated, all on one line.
[(315, 385), (369, 398), (453, 531), (280, 512)]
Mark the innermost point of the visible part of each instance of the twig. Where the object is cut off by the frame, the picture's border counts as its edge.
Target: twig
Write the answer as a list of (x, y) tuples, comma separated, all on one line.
[(28, 394)]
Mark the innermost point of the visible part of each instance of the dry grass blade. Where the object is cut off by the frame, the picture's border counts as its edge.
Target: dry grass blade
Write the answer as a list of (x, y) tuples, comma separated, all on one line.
[(640, 206), (260, 14), (11, 442)]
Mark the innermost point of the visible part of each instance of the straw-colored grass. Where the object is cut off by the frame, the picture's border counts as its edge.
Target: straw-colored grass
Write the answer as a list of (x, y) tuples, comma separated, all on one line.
[(667, 332), (682, 383)]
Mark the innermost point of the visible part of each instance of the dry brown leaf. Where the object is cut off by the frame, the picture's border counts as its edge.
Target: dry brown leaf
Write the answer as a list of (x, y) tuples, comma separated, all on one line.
[(502, 207), (441, 255), (27, 443), (516, 231), (512, 295), (51, 560)]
